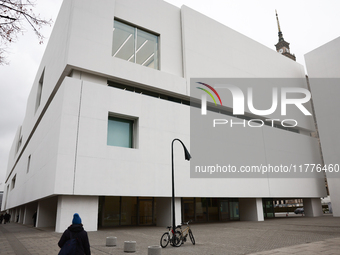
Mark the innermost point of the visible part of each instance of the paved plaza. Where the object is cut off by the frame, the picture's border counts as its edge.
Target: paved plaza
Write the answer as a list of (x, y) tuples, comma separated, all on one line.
[(282, 235)]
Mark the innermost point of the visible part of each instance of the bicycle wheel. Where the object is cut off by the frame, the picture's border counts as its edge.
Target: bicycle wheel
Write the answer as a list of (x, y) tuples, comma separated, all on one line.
[(165, 239), (176, 240), (191, 237)]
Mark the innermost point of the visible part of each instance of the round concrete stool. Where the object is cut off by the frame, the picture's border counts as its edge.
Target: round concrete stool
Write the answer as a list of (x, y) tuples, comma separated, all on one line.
[(154, 250), (111, 241), (129, 246)]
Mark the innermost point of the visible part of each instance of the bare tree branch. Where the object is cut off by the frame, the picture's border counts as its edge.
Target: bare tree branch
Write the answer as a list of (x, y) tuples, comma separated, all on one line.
[(7, 17), (13, 15)]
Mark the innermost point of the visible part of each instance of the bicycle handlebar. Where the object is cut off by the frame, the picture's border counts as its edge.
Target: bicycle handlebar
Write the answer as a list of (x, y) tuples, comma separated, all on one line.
[(178, 226), (186, 223)]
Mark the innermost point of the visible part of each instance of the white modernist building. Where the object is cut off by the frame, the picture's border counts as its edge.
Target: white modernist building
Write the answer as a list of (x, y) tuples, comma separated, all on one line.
[(110, 95)]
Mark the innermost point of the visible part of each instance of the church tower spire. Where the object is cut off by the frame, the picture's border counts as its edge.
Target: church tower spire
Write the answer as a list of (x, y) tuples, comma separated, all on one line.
[(282, 46), (278, 27)]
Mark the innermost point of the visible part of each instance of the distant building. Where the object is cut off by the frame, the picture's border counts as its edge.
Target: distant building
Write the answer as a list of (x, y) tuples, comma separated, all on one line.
[(282, 46)]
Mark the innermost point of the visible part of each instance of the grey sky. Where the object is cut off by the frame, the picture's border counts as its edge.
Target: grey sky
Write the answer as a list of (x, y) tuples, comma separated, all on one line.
[(306, 25)]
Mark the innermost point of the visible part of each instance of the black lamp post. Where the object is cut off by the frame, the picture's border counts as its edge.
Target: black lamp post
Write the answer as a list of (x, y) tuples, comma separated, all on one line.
[(187, 157)]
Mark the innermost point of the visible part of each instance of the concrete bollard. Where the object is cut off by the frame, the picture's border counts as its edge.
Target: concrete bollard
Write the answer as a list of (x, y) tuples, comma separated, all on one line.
[(154, 250), (129, 246), (111, 241)]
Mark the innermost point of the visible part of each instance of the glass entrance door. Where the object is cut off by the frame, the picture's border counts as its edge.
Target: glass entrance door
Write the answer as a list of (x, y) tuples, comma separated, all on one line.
[(224, 210), (188, 209), (128, 211), (201, 210), (268, 208), (145, 212), (233, 209), (213, 212)]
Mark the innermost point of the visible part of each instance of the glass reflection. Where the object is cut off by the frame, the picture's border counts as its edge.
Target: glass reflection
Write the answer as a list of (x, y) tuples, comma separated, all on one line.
[(135, 45)]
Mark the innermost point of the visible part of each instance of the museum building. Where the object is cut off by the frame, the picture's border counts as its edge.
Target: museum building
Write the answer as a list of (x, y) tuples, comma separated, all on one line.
[(112, 92)]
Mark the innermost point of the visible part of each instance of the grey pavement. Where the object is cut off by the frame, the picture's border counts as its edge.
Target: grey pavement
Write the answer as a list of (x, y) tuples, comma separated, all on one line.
[(282, 235)]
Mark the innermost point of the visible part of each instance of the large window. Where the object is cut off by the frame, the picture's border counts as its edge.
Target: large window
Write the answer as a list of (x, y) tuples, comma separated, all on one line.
[(135, 45), (120, 132), (119, 211), (210, 209)]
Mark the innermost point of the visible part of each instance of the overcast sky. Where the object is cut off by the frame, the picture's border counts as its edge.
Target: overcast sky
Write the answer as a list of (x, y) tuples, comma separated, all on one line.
[(306, 25)]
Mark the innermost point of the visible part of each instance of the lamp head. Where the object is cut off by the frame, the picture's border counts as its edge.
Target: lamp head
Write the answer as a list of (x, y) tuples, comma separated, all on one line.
[(186, 154)]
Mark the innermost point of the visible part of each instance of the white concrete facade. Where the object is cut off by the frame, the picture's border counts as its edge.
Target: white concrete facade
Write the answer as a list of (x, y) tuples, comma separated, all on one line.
[(86, 206), (71, 165), (324, 63)]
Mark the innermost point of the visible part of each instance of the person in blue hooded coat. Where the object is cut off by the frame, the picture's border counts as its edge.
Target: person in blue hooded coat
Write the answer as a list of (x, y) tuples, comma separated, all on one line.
[(77, 231)]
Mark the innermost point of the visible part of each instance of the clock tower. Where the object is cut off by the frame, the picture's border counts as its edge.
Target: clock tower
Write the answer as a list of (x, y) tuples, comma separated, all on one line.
[(282, 46)]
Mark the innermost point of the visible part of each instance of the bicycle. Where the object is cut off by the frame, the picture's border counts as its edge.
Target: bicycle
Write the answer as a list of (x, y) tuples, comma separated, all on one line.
[(172, 237), (184, 233)]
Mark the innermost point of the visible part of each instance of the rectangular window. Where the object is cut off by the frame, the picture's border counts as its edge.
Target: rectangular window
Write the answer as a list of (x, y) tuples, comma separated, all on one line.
[(13, 182), (135, 45), (40, 87), (19, 144), (28, 163), (19, 141), (120, 132)]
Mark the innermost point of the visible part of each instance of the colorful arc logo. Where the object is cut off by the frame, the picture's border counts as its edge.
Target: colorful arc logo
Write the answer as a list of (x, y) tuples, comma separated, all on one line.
[(209, 92)]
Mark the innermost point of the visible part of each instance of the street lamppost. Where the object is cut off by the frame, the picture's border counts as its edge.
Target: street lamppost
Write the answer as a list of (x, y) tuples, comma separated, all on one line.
[(187, 157)]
